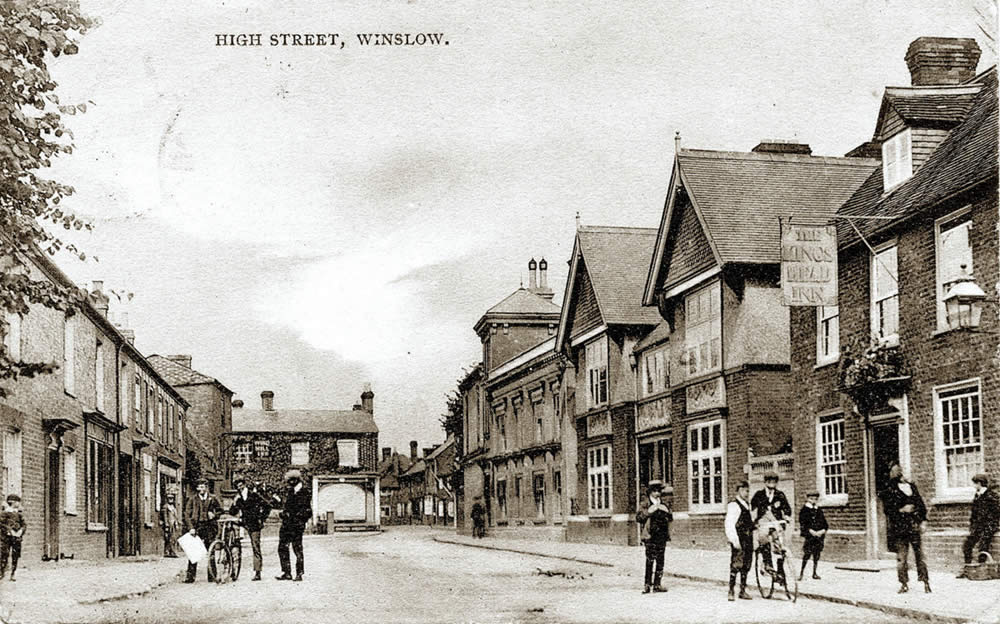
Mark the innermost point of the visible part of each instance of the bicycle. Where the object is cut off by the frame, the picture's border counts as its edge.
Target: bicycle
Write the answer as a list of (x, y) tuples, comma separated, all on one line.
[(225, 554), (779, 554)]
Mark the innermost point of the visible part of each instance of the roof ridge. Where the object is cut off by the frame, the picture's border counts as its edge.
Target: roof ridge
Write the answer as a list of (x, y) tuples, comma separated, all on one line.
[(799, 158), (608, 229)]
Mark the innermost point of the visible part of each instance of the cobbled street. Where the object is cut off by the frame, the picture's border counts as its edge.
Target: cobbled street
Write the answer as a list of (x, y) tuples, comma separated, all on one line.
[(403, 575)]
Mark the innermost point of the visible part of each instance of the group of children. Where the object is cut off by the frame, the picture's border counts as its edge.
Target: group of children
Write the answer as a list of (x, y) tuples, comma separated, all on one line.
[(768, 511)]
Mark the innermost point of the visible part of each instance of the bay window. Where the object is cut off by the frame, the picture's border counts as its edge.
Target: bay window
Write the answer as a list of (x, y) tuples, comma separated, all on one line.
[(703, 329), (596, 356)]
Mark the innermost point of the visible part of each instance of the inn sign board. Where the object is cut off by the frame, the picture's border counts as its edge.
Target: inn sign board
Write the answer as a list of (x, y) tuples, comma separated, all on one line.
[(808, 265)]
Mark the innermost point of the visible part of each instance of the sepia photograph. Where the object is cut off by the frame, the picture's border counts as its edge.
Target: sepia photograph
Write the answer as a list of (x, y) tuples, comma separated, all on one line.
[(512, 312)]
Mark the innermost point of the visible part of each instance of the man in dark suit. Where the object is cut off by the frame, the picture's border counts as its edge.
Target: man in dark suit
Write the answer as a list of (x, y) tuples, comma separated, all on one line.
[(770, 505), (654, 517), (906, 522), (200, 513), (253, 509), (296, 513), (984, 520), (813, 526)]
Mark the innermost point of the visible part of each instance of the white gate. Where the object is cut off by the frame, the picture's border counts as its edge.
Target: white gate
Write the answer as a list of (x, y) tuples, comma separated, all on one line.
[(345, 500)]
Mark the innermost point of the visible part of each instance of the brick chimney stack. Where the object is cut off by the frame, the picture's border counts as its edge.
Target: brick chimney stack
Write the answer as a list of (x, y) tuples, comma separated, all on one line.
[(386, 452), (532, 275), (267, 400), (942, 60), (368, 399), (183, 360), (543, 281), (237, 403), (98, 298), (413, 450)]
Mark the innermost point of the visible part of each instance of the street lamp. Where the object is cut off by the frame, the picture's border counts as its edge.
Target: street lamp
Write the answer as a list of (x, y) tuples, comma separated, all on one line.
[(964, 302)]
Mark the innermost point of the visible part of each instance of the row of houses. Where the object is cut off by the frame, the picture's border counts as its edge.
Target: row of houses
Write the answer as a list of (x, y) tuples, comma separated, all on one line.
[(673, 355), (419, 489), (94, 448)]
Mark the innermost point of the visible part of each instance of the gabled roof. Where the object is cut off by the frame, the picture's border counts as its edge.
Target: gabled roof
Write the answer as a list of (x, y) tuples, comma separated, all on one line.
[(418, 467), (615, 259), (739, 197), (944, 106), (390, 469), (965, 158), (179, 375), (303, 421)]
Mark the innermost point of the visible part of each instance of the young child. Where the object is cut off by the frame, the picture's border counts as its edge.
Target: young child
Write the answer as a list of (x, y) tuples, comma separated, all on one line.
[(812, 524), (11, 532)]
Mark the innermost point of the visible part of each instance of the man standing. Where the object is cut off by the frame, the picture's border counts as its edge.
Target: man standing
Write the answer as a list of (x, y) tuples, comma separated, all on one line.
[(478, 519), (200, 513), (984, 521), (770, 505), (253, 510), (170, 524), (739, 532), (906, 522), (654, 517), (297, 511), (813, 526)]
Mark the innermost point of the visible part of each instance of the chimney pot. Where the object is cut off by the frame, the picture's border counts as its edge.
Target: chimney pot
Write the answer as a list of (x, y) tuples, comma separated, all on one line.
[(942, 60), (413, 450), (267, 400), (99, 300), (356, 407), (238, 403), (782, 146), (532, 275), (543, 281), (368, 399)]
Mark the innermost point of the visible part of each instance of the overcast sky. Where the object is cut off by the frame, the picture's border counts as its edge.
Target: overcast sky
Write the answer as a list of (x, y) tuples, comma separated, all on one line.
[(306, 220)]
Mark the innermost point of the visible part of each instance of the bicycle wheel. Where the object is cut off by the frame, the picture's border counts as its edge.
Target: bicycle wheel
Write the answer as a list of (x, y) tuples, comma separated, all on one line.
[(220, 563), (237, 551), (791, 584), (765, 580)]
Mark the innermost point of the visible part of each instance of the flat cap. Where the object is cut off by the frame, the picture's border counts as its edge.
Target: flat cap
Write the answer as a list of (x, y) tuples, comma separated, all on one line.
[(654, 485), (982, 479), (293, 474)]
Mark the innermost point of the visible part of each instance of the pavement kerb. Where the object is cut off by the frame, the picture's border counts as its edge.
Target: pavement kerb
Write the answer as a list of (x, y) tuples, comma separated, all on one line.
[(131, 594), (865, 604)]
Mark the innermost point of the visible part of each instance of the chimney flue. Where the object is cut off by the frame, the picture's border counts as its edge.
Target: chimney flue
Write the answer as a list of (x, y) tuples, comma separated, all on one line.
[(532, 275), (942, 60), (386, 452), (98, 298), (368, 399), (413, 450), (267, 400), (237, 403)]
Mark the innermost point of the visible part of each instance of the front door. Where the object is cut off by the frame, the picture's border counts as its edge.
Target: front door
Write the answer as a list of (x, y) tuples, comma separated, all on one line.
[(126, 507), (885, 453), (53, 483)]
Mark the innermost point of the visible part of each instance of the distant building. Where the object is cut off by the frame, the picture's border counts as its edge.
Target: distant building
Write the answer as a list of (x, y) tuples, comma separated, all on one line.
[(390, 469), (336, 450), (210, 416)]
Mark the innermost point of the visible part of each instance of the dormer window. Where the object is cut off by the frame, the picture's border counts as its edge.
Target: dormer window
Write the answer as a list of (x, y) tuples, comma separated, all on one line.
[(897, 159)]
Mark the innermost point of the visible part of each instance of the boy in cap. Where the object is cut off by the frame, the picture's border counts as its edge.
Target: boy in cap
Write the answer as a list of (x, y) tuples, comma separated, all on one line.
[(984, 520), (12, 526), (813, 527), (771, 510), (296, 513), (654, 517), (170, 523), (739, 533)]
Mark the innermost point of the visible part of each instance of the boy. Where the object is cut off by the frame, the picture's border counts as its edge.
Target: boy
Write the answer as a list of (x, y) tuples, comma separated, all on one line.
[(11, 532), (813, 526), (739, 532), (771, 510), (654, 517)]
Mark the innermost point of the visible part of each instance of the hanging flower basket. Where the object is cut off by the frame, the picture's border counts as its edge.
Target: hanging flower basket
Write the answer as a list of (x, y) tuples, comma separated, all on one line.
[(873, 374)]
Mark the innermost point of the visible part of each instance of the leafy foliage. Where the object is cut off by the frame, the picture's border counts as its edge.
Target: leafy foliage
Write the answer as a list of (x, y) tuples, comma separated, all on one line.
[(32, 133), (453, 420), (865, 371)]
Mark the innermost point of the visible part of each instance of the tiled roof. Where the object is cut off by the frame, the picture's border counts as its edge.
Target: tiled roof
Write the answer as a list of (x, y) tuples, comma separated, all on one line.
[(967, 156), (178, 374), (616, 259), (660, 333), (418, 467), (523, 301), (740, 195), (943, 106), (303, 420)]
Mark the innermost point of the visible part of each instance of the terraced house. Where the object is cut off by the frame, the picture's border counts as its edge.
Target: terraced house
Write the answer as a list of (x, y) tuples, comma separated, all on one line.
[(92, 447), (906, 369), (714, 277), (602, 320)]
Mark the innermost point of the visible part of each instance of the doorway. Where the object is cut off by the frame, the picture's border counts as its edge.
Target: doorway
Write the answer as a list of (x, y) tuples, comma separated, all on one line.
[(126, 509), (885, 453), (53, 483)]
